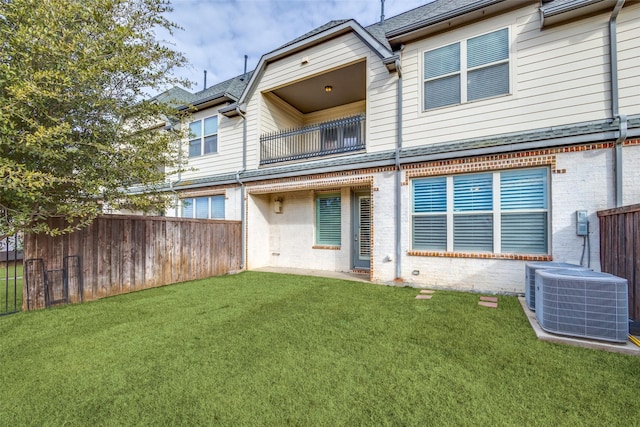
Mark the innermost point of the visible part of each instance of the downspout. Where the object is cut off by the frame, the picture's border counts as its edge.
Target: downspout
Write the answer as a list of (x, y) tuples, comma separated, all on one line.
[(399, 172), (176, 200), (242, 189), (615, 112)]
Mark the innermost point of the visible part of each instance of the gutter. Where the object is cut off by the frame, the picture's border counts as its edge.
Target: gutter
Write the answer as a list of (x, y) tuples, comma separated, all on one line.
[(557, 9), (615, 98), (218, 97)]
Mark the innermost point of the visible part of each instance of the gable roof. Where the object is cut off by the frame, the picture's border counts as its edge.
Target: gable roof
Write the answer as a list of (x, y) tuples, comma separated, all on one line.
[(226, 91), (174, 97), (315, 31)]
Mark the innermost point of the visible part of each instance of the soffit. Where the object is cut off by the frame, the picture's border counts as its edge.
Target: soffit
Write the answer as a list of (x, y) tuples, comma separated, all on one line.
[(348, 84)]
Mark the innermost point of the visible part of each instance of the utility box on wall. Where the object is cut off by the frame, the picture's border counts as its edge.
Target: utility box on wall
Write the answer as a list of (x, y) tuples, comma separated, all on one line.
[(582, 224)]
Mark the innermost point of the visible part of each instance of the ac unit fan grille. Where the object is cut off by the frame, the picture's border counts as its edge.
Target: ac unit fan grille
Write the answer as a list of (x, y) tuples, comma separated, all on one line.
[(530, 277), (584, 304)]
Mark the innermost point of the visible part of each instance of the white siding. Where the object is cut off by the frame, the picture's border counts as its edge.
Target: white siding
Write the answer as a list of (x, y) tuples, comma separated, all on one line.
[(334, 113), (338, 52), (228, 159), (629, 58), (278, 115), (266, 114), (559, 75)]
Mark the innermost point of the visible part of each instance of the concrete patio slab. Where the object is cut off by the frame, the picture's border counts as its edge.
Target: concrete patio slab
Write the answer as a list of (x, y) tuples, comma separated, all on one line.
[(356, 277), (626, 348), (422, 296)]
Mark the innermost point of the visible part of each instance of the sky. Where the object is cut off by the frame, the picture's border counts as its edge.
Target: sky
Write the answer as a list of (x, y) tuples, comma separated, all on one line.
[(218, 33)]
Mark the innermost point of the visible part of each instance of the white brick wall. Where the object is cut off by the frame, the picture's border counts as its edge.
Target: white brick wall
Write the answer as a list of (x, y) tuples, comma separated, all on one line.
[(384, 230), (580, 180), (287, 239), (585, 182), (631, 181), (588, 184)]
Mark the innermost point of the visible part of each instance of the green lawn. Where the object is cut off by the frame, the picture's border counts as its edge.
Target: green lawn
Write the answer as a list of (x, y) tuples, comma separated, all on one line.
[(260, 349), (10, 290)]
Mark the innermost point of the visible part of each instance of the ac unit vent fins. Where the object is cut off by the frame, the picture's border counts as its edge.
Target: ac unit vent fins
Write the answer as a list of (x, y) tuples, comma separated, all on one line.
[(530, 277), (582, 303)]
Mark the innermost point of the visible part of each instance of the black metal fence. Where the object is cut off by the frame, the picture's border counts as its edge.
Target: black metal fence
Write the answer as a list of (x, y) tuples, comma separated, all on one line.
[(58, 286), (11, 274), (333, 137)]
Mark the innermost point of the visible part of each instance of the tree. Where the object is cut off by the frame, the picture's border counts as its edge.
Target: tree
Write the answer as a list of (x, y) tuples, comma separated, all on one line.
[(78, 128)]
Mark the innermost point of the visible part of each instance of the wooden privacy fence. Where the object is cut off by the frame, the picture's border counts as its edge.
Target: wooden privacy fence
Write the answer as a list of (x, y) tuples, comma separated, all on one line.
[(117, 254), (620, 249)]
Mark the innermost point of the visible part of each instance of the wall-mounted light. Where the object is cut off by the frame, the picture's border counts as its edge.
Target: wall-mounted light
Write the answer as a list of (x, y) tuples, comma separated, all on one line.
[(328, 88), (277, 205)]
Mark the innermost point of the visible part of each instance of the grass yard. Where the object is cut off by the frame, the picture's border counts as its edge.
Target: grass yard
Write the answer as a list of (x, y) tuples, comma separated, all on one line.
[(10, 289), (267, 349)]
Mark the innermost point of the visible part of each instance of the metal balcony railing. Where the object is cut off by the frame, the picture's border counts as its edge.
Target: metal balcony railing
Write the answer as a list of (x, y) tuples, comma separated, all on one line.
[(337, 136)]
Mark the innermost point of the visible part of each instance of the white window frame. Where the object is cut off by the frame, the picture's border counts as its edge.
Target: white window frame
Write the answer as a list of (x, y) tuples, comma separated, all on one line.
[(497, 212), (464, 71), (319, 220), (193, 201), (203, 137)]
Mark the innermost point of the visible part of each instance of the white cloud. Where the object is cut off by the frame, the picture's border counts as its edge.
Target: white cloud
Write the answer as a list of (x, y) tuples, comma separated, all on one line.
[(218, 33)]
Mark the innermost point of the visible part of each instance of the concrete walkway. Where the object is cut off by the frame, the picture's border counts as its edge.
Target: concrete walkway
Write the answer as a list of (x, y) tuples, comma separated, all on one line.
[(355, 277)]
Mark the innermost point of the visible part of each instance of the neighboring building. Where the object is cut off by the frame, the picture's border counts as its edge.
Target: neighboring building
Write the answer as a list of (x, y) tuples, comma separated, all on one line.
[(443, 147)]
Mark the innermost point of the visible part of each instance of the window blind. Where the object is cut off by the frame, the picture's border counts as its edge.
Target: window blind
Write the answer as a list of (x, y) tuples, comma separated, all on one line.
[(430, 232), (523, 189), (430, 195), (472, 193), (488, 48), (328, 220), (217, 207)]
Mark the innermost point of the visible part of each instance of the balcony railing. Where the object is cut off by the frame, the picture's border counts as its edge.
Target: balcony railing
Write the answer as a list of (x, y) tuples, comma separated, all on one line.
[(337, 136)]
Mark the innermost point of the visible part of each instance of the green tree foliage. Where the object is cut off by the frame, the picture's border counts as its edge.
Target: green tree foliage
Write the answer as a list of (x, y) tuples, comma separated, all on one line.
[(77, 125)]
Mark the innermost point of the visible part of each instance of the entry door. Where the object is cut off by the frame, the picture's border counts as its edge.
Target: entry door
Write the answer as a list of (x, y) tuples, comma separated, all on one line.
[(361, 230)]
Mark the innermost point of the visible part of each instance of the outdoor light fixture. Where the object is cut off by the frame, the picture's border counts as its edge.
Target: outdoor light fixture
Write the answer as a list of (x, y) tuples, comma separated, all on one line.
[(328, 88), (277, 205)]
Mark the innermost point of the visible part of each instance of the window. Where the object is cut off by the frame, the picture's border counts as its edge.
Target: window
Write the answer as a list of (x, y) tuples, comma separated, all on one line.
[(203, 136), (211, 207), (472, 69), (472, 217), (500, 212), (328, 219)]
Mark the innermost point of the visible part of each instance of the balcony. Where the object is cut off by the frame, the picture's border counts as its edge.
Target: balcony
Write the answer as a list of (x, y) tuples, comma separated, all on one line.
[(322, 139)]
